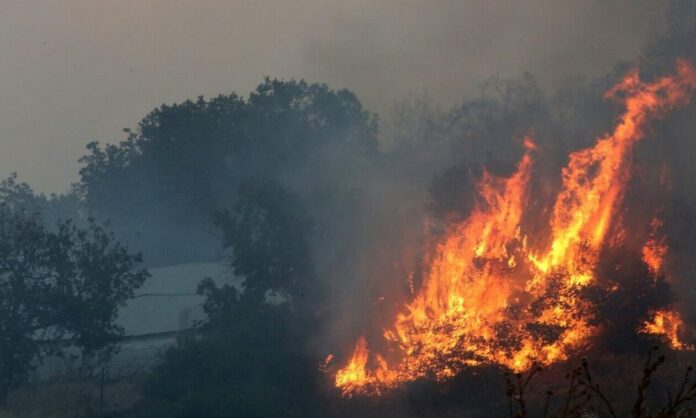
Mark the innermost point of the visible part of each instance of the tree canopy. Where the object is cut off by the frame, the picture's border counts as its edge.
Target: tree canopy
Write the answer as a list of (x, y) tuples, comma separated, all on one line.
[(57, 287), (186, 161)]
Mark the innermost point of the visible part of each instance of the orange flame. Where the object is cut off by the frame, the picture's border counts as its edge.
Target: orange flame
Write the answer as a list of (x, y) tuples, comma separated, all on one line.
[(666, 324), (489, 298), (655, 248)]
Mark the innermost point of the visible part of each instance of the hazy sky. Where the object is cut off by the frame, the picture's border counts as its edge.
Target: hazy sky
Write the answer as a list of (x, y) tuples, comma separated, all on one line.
[(73, 71)]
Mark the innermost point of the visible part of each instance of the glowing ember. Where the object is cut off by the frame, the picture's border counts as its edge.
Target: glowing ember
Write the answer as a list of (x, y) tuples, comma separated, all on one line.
[(655, 248), (666, 324), (488, 297)]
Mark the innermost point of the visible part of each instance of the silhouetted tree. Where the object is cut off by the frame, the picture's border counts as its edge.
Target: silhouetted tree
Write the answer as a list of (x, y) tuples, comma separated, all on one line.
[(185, 161), (56, 287), (251, 357), (267, 234)]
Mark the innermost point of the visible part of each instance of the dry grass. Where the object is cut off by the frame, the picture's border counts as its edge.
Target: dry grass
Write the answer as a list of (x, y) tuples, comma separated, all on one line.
[(585, 397), (68, 399)]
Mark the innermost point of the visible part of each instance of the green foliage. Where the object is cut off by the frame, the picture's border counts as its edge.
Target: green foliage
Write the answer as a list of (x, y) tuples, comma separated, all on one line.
[(252, 363), (268, 235), (58, 285), (251, 358), (52, 208)]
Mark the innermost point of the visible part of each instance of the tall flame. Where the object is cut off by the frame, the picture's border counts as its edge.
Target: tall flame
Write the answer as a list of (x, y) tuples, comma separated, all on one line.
[(488, 297), (655, 248)]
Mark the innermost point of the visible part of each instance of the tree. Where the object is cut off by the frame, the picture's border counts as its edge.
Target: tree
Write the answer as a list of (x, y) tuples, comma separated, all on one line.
[(56, 287), (251, 357), (268, 236), (52, 208), (186, 161), (250, 361), (281, 162)]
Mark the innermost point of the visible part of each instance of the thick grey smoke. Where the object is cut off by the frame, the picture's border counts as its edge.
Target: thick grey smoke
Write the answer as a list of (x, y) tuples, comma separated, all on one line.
[(74, 71), (434, 156)]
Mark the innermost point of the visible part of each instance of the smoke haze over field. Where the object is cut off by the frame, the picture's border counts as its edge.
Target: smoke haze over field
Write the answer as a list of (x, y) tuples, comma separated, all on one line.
[(74, 71)]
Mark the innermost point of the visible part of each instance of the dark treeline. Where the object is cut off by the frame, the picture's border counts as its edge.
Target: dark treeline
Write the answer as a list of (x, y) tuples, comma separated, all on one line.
[(161, 185), (308, 196)]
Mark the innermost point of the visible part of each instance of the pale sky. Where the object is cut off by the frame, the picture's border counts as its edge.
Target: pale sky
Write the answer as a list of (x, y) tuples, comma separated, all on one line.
[(73, 71)]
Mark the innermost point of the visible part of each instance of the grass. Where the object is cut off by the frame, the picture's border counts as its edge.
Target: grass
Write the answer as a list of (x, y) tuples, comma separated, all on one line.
[(584, 397), (69, 399)]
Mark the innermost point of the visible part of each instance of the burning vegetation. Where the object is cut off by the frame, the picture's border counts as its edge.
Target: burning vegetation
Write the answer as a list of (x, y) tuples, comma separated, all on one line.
[(495, 293)]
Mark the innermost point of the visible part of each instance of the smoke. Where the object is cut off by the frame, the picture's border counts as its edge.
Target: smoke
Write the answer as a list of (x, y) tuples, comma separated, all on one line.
[(80, 71), (438, 152), (469, 79), (384, 50)]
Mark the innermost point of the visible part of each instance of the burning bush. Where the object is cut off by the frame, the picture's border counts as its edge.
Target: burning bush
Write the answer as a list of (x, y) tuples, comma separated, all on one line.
[(494, 294)]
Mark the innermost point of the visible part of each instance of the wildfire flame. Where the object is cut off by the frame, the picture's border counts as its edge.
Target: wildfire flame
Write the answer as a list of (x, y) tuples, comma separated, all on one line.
[(655, 248), (488, 297), (666, 324)]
